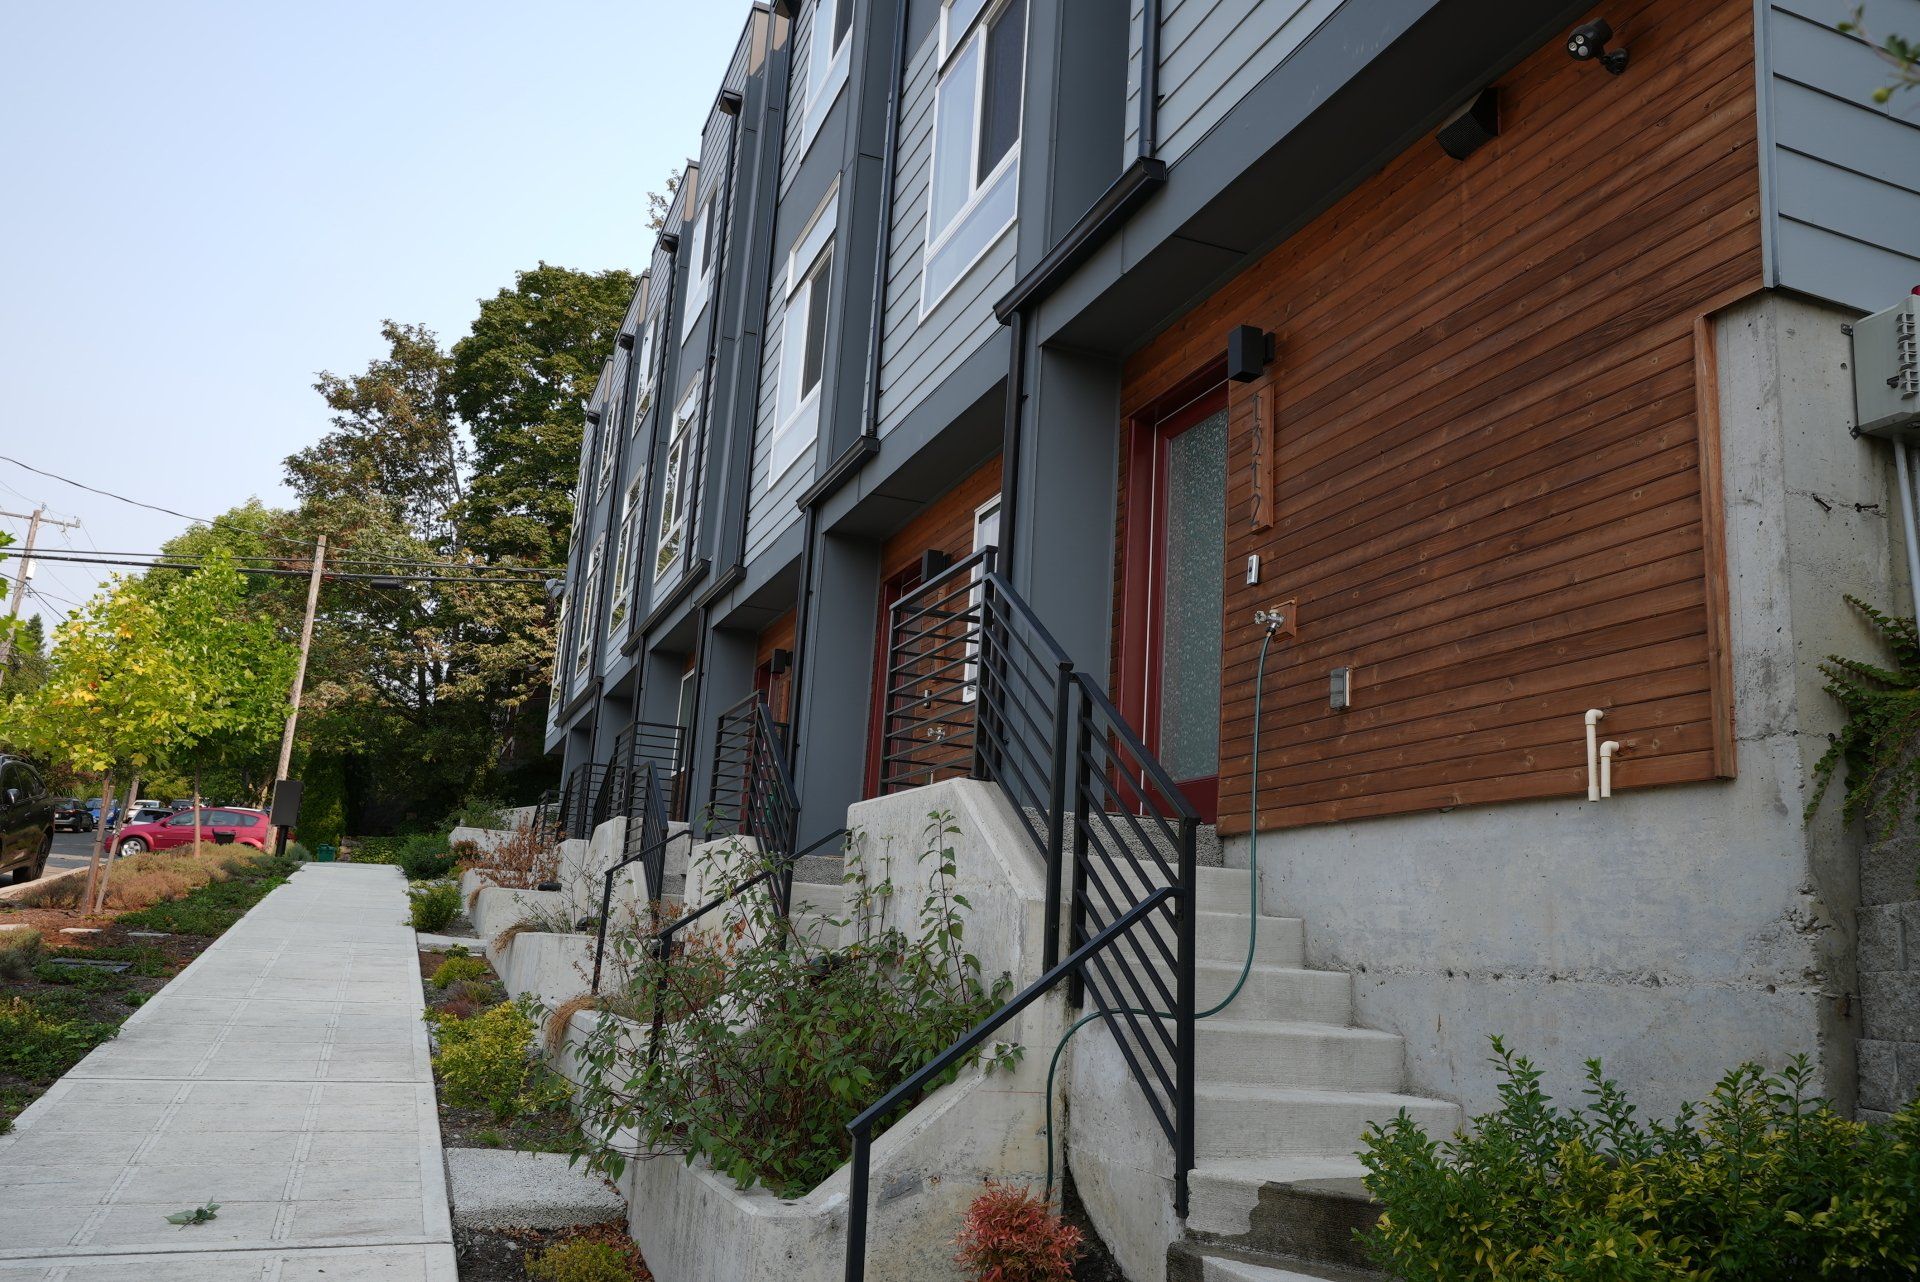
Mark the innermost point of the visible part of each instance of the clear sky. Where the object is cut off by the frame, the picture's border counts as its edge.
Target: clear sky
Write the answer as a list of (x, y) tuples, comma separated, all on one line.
[(203, 202)]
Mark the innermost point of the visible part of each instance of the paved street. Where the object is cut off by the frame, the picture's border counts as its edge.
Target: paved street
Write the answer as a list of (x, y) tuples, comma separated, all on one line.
[(70, 850), (283, 1075)]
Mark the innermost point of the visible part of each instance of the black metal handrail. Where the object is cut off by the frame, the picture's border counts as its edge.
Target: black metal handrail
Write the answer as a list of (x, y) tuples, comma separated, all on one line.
[(739, 736), (976, 686), (664, 747), (778, 870), (911, 1089)]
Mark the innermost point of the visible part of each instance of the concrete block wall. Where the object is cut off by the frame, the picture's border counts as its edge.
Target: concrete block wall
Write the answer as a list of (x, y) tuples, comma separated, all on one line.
[(1889, 947)]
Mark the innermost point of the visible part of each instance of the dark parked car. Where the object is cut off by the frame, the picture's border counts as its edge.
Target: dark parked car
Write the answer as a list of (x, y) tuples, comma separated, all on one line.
[(26, 820), (71, 814)]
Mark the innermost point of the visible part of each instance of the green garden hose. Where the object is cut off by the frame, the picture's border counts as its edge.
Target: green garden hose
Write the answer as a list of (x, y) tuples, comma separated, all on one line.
[(1272, 622)]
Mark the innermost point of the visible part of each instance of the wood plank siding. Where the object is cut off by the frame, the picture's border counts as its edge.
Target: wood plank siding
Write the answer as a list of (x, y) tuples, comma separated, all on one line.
[(1487, 481), (945, 525)]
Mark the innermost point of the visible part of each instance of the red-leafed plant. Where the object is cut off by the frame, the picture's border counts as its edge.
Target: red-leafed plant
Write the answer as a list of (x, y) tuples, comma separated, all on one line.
[(1012, 1235)]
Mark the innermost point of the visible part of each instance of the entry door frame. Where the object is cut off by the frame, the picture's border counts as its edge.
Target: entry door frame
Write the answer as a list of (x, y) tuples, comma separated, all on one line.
[(1141, 617)]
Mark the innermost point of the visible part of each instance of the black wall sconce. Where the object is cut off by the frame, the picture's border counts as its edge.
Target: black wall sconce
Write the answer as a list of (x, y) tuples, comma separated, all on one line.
[(1589, 43), (593, 418), (933, 562), (670, 241), (779, 661), (1473, 126), (728, 103), (1249, 350)]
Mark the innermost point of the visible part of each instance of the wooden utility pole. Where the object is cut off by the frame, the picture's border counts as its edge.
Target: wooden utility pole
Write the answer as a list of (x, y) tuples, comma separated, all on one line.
[(300, 669), (35, 519)]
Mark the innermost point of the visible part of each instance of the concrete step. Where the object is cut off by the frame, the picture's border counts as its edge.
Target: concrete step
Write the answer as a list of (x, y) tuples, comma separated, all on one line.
[(1224, 890), (1257, 1052), (1279, 941), (1242, 1121), (821, 870), (1278, 992), (1220, 1268), (1281, 1210)]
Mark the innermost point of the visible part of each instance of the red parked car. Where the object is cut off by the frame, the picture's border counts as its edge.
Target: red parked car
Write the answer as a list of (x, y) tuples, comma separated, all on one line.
[(241, 827)]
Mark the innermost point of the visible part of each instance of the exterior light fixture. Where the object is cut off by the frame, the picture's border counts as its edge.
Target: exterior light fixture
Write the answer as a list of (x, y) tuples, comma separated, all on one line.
[(626, 342), (1471, 127), (729, 103), (1249, 348), (1589, 43)]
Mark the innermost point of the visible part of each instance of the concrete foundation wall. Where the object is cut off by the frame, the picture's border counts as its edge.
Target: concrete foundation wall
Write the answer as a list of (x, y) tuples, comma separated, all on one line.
[(1673, 931)]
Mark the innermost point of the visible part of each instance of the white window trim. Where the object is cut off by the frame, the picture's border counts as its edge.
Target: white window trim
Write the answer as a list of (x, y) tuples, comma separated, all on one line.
[(684, 430), (699, 279), (936, 240), (649, 335), (623, 558), (794, 416), (590, 585), (980, 514), (820, 96), (558, 687)]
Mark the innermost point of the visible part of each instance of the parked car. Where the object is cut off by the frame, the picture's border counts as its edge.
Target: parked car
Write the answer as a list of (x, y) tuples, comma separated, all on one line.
[(242, 827), (148, 815), (26, 820), (69, 814), (93, 809), (180, 803)]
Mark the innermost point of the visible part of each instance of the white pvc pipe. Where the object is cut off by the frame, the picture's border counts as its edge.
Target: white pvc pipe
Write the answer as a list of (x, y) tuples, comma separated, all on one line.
[(1593, 753), (1903, 471), (1607, 750)]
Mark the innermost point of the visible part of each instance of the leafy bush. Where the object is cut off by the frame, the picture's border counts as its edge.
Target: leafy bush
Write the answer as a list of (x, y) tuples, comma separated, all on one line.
[(41, 1044), (522, 861), (1013, 1235), (580, 1260), (19, 953), (455, 969), (776, 1041), (434, 904), (486, 1062), (477, 812), (1762, 1181), (1883, 724)]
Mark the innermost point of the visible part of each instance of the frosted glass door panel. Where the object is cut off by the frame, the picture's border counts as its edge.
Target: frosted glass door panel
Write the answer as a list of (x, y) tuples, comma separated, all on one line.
[(1193, 599)]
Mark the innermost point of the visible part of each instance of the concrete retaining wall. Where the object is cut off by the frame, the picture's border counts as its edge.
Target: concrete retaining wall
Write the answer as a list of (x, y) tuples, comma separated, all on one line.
[(1673, 931)]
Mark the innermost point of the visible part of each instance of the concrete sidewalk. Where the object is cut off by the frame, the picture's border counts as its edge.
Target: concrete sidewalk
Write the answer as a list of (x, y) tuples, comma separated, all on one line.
[(284, 1075)]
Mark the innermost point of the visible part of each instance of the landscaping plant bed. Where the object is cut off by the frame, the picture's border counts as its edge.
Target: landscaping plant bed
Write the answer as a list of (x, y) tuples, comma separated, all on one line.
[(501, 1255), (547, 1129), (51, 1014)]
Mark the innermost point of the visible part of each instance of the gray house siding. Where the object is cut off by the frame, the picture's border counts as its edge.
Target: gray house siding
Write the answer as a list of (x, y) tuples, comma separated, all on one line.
[(1212, 52), (916, 353), (1843, 175)]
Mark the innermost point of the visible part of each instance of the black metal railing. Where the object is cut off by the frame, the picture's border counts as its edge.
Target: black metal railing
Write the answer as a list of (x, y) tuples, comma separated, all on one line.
[(742, 735), (545, 820), (649, 834), (776, 873), (584, 799), (664, 747), (977, 687)]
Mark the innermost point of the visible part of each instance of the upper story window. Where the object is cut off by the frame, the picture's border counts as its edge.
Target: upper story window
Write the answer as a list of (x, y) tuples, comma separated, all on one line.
[(676, 498), (803, 343), (589, 598), (827, 60), (623, 553), (648, 336), (974, 189), (699, 249), (557, 691), (607, 437)]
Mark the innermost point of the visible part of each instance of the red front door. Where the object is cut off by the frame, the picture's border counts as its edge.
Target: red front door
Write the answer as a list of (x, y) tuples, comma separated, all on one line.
[(1175, 590)]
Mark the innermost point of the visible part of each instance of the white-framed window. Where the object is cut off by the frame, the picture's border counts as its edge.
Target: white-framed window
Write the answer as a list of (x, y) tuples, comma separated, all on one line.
[(803, 341), (699, 250), (676, 498), (606, 440), (648, 336), (557, 690), (986, 534), (973, 190), (623, 554), (828, 54), (589, 600)]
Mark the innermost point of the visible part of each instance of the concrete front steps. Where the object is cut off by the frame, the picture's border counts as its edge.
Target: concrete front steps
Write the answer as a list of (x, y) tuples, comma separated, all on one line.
[(1287, 1085)]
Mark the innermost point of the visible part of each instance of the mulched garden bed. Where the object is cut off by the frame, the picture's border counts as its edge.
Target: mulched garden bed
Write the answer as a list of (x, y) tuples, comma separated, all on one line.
[(495, 1255), (548, 1131)]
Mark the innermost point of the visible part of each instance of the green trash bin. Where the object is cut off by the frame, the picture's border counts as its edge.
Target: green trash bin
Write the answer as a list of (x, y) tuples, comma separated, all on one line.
[(324, 854)]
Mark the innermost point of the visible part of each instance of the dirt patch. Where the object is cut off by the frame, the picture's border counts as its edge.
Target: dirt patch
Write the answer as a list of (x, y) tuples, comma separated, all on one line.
[(494, 1255), (1096, 1262)]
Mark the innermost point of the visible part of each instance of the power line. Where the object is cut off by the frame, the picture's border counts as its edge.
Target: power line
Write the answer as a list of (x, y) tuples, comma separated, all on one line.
[(350, 560), (276, 572)]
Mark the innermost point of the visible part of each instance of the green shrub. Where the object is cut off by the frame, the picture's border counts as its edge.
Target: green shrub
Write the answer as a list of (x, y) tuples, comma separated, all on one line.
[(19, 953), (1762, 1181), (455, 969), (434, 904), (424, 857), (1883, 722), (486, 1062), (776, 1041), (38, 1041), (477, 812), (580, 1261)]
